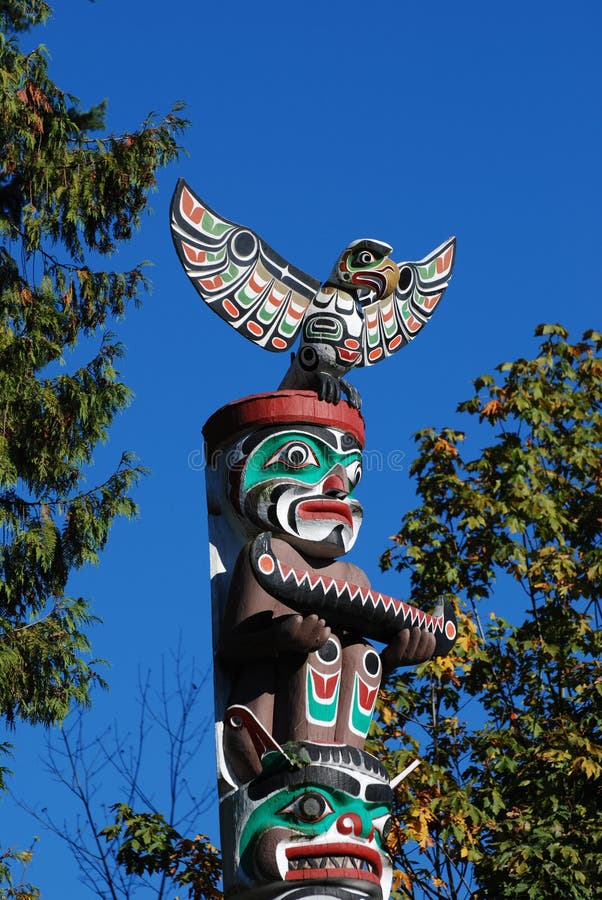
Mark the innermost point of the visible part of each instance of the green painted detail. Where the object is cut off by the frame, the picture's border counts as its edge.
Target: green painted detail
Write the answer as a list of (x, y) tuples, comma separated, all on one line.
[(364, 267), (288, 327), (213, 225), (322, 713), (267, 312), (359, 720), (428, 271), (272, 813), (215, 257), (373, 337), (259, 468), (245, 299), (391, 328), (230, 273), (313, 331)]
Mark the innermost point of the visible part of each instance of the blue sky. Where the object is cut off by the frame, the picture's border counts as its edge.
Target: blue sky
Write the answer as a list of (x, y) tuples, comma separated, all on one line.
[(315, 124)]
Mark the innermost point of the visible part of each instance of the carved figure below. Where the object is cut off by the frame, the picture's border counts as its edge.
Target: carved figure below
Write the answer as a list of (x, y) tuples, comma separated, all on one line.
[(293, 640), (367, 309), (313, 824)]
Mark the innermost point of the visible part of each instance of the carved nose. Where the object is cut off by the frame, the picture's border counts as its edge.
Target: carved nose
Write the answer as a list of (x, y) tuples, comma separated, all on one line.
[(337, 483), (351, 823)]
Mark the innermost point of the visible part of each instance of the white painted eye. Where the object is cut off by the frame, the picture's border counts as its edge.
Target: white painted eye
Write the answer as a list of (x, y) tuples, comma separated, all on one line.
[(308, 807), (365, 257), (293, 455), (354, 472)]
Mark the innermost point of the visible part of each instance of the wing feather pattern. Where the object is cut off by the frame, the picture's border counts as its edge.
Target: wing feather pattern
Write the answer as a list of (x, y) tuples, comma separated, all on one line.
[(393, 322), (238, 275)]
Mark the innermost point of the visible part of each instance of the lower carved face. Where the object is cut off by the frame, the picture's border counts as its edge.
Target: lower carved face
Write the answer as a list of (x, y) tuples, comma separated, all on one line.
[(329, 830), (298, 483)]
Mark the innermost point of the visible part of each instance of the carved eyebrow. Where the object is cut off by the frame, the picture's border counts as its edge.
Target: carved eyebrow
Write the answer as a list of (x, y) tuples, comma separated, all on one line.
[(379, 793), (309, 776), (322, 434)]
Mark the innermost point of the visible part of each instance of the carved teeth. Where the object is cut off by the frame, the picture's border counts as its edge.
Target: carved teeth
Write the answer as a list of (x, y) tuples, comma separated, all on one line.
[(330, 862)]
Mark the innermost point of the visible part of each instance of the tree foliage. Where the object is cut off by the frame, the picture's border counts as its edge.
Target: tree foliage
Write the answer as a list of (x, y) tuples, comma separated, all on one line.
[(150, 845), (506, 803), (68, 199)]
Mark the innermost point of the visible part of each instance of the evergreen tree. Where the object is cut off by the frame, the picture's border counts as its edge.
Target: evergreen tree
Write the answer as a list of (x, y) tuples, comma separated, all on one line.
[(506, 803), (68, 199)]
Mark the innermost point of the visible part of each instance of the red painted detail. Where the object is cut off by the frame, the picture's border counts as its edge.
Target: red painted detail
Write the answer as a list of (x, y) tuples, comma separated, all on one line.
[(371, 323), (266, 564), (387, 315), (254, 328), (255, 285), (444, 261), (281, 408), (190, 208), (394, 344), (350, 823), (192, 254), (276, 301), (342, 848), (375, 354), (294, 313), (230, 309), (413, 324), (322, 874), (431, 300), (450, 630), (325, 508), (334, 483), (367, 695), (278, 343), (325, 686), (352, 344), (211, 284), (348, 356)]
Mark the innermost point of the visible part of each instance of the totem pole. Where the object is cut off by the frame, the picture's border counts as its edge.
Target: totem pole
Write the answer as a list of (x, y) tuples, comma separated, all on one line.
[(304, 809)]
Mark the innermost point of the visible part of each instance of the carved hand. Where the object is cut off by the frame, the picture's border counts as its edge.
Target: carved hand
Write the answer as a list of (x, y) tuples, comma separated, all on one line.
[(301, 634), (409, 647)]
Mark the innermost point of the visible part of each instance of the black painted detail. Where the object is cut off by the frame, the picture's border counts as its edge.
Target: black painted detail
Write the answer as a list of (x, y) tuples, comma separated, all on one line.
[(329, 653), (368, 612), (372, 662)]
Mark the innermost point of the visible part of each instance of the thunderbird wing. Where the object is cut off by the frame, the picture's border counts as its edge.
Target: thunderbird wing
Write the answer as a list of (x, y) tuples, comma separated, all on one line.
[(393, 322), (238, 275)]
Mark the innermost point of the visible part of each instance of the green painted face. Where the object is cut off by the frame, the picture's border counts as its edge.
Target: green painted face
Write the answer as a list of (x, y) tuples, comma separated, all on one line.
[(321, 832), (314, 810), (297, 456), (299, 483)]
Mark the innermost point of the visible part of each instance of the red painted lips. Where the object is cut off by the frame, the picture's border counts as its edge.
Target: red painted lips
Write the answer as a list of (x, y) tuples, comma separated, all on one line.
[(325, 508), (337, 860)]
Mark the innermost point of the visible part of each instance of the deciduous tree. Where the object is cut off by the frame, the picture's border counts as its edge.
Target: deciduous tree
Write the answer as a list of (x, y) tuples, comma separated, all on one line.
[(506, 803)]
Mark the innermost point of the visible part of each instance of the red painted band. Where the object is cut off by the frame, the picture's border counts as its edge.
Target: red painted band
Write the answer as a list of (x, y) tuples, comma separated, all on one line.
[(279, 408)]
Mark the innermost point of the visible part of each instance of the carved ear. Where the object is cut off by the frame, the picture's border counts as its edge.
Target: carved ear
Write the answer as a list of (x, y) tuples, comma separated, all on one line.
[(268, 750)]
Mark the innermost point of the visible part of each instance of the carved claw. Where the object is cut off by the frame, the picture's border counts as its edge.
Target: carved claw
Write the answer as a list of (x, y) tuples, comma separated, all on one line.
[(328, 387), (353, 395)]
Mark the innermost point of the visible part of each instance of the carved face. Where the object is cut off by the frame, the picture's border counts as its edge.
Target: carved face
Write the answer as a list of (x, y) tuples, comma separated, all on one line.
[(298, 483), (329, 829), (366, 264)]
